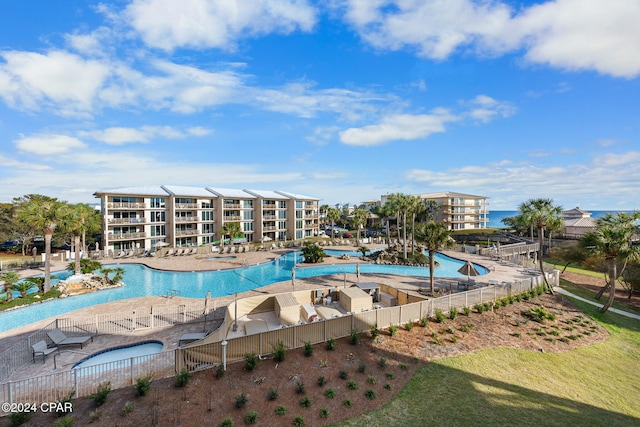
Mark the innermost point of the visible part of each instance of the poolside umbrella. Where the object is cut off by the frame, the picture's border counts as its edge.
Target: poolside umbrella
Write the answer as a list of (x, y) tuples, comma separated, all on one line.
[(293, 277), (469, 270), (358, 271), (160, 245)]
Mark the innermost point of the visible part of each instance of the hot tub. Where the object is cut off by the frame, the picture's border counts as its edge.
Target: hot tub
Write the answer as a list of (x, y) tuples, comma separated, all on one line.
[(119, 357)]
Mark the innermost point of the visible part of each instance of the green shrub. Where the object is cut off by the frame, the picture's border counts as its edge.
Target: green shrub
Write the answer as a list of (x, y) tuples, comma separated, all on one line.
[(343, 374), (66, 421), (227, 422), (182, 378), (354, 337), (370, 394), (453, 313), (321, 381), (440, 317), (382, 361), (299, 387), (391, 375), (308, 349), (348, 403), (424, 321), (250, 361), (94, 415), (280, 410), (393, 329), (331, 344), (241, 400), (127, 408), (298, 421), (387, 386), (466, 310), (251, 417), (100, 396), (272, 394), (539, 314), (19, 418), (220, 371), (362, 367), (280, 351), (305, 402), (324, 413), (374, 331), (479, 308), (352, 385), (408, 326), (466, 327), (372, 380), (143, 385), (330, 393)]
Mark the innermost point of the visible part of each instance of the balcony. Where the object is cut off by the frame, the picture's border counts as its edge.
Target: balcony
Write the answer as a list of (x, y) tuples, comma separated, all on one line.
[(126, 236), (115, 221), (269, 216), (231, 206), (126, 205), (231, 218), (186, 219), (181, 233), (269, 228), (186, 206)]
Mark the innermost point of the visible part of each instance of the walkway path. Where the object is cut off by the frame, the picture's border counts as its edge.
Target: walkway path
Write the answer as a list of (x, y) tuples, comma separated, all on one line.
[(614, 310)]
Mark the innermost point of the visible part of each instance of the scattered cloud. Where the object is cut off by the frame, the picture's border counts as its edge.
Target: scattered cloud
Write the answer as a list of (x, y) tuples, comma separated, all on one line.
[(45, 145), (483, 108), (167, 24)]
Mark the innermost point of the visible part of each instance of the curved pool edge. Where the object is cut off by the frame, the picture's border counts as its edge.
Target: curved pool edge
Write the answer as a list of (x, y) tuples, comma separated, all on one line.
[(121, 347)]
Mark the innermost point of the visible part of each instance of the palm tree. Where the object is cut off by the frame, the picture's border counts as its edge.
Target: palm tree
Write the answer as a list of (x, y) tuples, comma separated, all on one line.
[(78, 219), (23, 287), (416, 208), (401, 203), (9, 278), (334, 215), (359, 219), (541, 213), (233, 229), (386, 212), (612, 239), (313, 253), (41, 213), (435, 236), (323, 214)]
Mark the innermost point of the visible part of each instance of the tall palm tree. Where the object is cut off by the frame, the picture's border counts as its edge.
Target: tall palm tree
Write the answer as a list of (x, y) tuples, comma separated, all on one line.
[(612, 239), (541, 213), (323, 214), (360, 216), (78, 219), (333, 214), (233, 229), (416, 208), (386, 211), (42, 213), (402, 204), (435, 236)]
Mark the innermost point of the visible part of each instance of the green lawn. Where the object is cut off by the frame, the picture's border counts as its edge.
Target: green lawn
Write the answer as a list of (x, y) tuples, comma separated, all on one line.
[(591, 386)]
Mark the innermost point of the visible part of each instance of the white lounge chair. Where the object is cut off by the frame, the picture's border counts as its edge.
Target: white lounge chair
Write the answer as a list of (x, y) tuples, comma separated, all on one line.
[(169, 252), (60, 339), (41, 349)]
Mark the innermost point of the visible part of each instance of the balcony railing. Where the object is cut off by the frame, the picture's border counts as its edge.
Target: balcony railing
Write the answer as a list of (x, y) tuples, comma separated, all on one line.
[(270, 228), (231, 218), (231, 206), (186, 232), (269, 216), (186, 206), (126, 205), (139, 220), (126, 236), (186, 219)]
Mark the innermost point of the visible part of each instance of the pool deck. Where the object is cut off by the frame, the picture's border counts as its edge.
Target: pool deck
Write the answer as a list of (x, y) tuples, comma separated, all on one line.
[(498, 272)]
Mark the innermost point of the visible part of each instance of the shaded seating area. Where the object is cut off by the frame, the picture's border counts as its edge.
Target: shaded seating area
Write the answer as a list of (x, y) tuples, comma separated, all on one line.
[(40, 349), (60, 339)]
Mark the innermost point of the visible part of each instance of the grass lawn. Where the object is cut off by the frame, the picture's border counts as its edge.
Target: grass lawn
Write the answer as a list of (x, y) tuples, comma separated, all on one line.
[(591, 386)]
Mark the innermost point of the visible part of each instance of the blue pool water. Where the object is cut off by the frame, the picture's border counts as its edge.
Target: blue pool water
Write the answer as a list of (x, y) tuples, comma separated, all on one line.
[(137, 350), (337, 253), (142, 281)]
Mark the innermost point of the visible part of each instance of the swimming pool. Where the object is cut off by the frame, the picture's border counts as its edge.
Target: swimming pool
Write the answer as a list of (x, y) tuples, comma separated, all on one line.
[(122, 355), (143, 281), (338, 253)]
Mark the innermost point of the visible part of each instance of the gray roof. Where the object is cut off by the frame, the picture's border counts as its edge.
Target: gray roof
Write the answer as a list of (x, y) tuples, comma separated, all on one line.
[(146, 190), (231, 192), (296, 196), (181, 190), (266, 194)]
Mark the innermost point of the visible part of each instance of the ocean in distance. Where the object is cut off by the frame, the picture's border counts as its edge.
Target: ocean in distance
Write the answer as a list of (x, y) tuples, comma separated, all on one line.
[(496, 217)]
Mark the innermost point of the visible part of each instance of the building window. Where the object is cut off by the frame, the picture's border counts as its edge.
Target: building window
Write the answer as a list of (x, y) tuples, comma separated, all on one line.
[(158, 202), (298, 204), (282, 204), (157, 216), (282, 214), (207, 228), (206, 204), (247, 215), (158, 230), (207, 216), (247, 226)]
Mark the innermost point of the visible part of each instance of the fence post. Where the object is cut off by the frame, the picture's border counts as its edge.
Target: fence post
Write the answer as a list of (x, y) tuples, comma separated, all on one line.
[(224, 353), (132, 371), (152, 317), (449, 302), (481, 300), (466, 298), (10, 385), (133, 320), (495, 292), (75, 383)]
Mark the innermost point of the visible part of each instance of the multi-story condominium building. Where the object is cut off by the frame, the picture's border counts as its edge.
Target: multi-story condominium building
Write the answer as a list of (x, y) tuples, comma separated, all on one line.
[(459, 211), (144, 218)]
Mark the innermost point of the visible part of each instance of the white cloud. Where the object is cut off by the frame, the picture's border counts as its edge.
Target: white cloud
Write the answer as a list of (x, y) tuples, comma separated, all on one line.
[(398, 127), (168, 24), (600, 35), (7, 162), (199, 131), (48, 144), (143, 134), (484, 108)]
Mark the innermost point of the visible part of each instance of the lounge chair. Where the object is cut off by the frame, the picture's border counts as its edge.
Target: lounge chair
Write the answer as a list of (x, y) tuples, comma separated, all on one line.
[(169, 252), (40, 349), (178, 252), (60, 339), (121, 254)]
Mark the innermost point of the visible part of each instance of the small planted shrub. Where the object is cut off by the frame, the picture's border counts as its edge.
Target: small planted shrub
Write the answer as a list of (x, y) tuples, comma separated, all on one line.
[(66, 421), (352, 385), (451, 330), (539, 314), (424, 321), (94, 415), (374, 331), (348, 403), (331, 344), (227, 422), (100, 396), (279, 351), (370, 394), (298, 421), (220, 371), (382, 361), (393, 330), (387, 386), (272, 394), (127, 408), (404, 366), (453, 313), (466, 327), (324, 413), (408, 326), (251, 417), (300, 387), (143, 385), (321, 381), (440, 317), (280, 410), (330, 393), (372, 380), (354, 336), (362, 367), (182, 378), (466, 310), (308, 349), (250, 361), (19, 418), (343, 374), (305, 402), (390, 375), (241, 400), (517, 334)]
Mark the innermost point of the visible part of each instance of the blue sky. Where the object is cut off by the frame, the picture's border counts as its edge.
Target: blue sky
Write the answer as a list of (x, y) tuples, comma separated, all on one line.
[(344, 100)]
